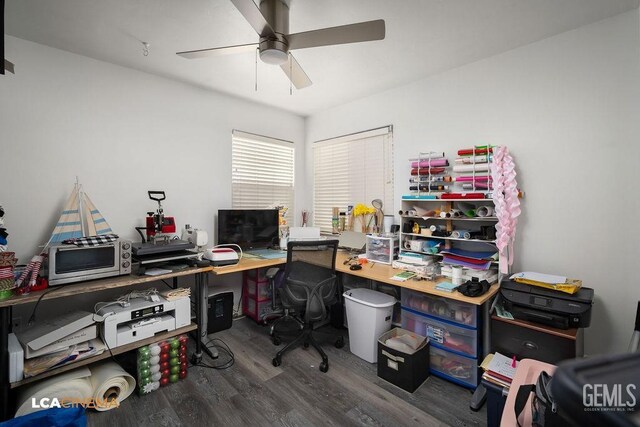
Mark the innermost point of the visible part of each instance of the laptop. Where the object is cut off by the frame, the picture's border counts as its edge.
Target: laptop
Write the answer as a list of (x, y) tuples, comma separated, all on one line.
[(352, 241)]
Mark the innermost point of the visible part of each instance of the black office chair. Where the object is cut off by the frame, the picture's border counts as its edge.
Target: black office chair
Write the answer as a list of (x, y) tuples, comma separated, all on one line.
[(308, 286)]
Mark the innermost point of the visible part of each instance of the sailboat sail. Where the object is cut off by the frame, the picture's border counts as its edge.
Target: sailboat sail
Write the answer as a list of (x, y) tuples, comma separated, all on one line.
[(97, 225), (69, 225)]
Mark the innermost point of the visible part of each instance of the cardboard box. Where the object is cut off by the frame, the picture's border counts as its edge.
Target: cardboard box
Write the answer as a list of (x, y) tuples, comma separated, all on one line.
[(407, 371)]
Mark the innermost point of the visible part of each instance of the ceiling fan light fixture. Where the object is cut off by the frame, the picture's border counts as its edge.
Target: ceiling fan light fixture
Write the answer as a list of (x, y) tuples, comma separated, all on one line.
[(274, 56)]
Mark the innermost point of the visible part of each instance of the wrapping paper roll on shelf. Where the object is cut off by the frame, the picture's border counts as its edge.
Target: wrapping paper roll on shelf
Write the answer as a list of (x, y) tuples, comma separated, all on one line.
[(484, 211), (478, 167), (99, 383), (430, 163)]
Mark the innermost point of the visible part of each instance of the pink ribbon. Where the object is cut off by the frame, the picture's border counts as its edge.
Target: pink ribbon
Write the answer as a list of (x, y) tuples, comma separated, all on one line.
[(507, 204)]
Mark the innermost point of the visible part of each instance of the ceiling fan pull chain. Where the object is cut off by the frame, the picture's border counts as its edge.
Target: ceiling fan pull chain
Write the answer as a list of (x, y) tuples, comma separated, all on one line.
[(290, 75), (257, 49)]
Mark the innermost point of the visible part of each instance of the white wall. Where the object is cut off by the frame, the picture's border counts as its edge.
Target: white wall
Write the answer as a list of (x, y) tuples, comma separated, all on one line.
[(122, 132), (568, 108)]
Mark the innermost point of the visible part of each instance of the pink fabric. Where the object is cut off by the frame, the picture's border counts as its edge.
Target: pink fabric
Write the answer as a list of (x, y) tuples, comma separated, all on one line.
[(505, 198)]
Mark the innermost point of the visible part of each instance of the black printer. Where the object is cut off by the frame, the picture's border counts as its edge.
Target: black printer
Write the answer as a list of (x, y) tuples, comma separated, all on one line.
[(554, 308)]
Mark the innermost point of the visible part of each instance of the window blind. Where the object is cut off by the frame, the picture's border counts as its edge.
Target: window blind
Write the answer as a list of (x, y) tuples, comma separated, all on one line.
[(352, 169), (262, 172)]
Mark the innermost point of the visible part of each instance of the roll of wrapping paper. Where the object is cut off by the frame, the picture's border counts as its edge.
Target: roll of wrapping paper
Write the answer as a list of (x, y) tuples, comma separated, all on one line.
[(437, 228), (74, 385), (444, 214), (477, 151), (455, 213), (426, 187), (479, 167), (426, 171), (461, 234), (471, 159), (430, 163), (426, 178), (477, 185), (484, 211), (109, 381), (470, 178), (471, 196)]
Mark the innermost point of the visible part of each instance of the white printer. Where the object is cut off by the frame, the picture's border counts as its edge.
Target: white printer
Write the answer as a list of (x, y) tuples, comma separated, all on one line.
[(143, 318)]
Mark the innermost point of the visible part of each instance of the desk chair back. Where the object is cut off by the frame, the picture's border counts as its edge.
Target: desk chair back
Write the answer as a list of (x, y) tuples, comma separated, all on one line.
[(310, 282)]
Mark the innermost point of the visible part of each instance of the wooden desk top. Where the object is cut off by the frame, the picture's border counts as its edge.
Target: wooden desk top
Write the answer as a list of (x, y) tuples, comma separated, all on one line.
[(248, 264), (383, 273), (54, 292), (370, 271)]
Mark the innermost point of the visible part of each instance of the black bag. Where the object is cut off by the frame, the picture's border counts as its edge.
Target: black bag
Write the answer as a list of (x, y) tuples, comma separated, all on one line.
[(544, 412)]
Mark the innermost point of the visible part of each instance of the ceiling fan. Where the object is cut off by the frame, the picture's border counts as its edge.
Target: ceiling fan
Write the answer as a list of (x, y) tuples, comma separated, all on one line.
[(271, 22)]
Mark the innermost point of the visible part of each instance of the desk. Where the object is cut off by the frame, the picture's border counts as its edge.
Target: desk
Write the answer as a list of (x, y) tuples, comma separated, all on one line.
[(6, 306), (382, 273)]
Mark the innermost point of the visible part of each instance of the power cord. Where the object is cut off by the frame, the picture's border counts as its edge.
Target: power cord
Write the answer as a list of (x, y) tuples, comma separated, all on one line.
[(223, 350), (32, 318)]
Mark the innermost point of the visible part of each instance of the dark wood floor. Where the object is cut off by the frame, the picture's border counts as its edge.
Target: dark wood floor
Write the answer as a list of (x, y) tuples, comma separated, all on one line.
[(253, 392)]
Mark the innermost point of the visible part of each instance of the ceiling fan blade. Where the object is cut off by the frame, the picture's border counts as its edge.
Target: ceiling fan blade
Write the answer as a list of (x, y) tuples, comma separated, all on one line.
[(216, 51), (296, 74), (252, 14), (352, 33)]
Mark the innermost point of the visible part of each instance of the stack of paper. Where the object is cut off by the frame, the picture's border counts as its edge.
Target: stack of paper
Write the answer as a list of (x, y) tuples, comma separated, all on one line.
[(548, 281), (499, 369)]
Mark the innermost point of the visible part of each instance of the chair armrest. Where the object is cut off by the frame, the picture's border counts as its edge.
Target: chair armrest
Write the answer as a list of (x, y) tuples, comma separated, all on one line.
[(271, 273)]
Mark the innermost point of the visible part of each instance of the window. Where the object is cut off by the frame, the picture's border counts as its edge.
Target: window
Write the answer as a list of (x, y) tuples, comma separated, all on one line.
[(352, 169), (262, 172)]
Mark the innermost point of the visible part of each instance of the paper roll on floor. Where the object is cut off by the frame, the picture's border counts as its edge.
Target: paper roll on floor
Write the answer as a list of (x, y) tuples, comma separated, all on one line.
[(109, 381), (68, 385)]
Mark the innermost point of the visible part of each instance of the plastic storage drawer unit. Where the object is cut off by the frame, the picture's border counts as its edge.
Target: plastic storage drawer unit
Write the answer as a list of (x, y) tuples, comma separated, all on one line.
[(458, 369), (444, 308), (258, 290), (260, 311), (441, 334), (382, 249)]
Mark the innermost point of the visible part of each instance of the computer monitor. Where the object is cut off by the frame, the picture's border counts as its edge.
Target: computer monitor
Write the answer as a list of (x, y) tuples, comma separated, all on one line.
[(249, 228)]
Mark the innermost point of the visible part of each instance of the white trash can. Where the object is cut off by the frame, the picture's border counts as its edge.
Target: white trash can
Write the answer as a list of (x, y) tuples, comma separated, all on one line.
[(369, 315)]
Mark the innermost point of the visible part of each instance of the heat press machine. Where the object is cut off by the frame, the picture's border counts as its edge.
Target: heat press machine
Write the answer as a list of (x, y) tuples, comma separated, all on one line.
[(141, 318), (161, 244)]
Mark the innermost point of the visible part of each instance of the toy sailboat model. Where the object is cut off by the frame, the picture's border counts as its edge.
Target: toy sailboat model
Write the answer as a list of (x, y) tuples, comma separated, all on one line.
[(80, 219), (81, 224)]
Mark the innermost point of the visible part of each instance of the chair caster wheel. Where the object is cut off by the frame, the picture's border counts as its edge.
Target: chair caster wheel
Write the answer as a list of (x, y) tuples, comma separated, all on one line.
[(276, 361), (339, 343), (324, 367), (305, 344), (276, 340)]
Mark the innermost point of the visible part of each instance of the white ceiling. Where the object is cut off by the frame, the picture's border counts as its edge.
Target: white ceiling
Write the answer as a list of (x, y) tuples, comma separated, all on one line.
[(424, 37)]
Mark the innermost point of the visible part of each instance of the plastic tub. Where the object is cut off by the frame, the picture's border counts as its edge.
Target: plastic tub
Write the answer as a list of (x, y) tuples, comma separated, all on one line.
[(443, 308), (453, 367), (447, 335)]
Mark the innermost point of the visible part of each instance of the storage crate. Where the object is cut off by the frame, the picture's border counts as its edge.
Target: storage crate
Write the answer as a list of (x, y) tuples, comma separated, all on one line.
[(443, 308), (260, 311), (441, 334), (407, 371), (453, 367)]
